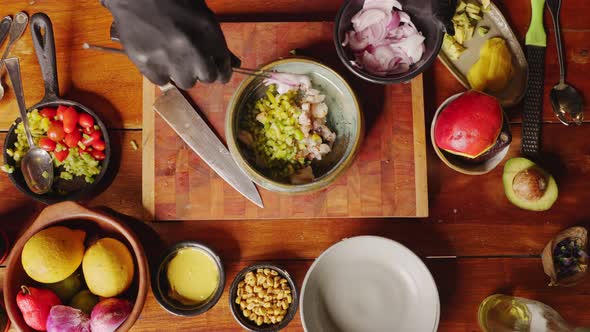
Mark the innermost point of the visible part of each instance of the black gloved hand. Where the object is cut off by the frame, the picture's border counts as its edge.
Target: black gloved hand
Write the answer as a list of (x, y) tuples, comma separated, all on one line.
[(172, 40)]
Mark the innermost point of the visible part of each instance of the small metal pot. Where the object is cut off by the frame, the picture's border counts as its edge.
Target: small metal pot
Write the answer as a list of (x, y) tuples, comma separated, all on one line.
[(160, 285), (248, 324)]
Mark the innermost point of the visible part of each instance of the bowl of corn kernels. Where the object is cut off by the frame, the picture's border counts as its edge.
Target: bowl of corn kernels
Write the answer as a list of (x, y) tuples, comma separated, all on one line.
[(263, 297)]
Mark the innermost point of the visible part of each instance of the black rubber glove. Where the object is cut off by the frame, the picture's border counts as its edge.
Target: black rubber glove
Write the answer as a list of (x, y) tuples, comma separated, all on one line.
[(172, 40)]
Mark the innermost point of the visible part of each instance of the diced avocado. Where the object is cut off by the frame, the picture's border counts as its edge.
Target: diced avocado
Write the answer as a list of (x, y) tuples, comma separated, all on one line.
[(461, 6), (452, 48), (7, 168), (472, 9), (469, 30), (482, 31), (528, 186), (460, 34), (461, 19), (485, 4), (475, 17)]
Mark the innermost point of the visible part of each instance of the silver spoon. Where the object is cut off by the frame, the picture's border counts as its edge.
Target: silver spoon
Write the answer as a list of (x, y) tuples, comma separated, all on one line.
[(567, 102), (4, 28), (17, 28), (36, 165)]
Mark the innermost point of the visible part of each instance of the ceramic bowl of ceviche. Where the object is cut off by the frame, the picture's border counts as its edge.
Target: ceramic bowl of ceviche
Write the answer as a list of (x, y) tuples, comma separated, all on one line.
[(391, 41), (296, 130)]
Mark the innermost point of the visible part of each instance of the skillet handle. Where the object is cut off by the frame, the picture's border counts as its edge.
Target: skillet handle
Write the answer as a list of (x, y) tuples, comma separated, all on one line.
[(445, 13), (43, 40)]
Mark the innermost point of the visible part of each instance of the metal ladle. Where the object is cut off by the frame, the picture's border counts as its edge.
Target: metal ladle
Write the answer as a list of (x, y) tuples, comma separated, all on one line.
[(17, 27), (37, 164), (567, 102)]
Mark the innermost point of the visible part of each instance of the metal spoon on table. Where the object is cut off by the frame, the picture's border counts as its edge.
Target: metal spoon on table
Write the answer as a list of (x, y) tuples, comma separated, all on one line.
[(37, 164), (567, 102), (17, 27)]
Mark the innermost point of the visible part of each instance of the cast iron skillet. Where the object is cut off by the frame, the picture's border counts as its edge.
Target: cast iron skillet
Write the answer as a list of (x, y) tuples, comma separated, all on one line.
[(77, 188)]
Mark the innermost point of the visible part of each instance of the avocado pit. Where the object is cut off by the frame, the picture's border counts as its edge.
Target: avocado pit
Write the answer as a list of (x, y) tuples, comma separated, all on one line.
[(530, 184)]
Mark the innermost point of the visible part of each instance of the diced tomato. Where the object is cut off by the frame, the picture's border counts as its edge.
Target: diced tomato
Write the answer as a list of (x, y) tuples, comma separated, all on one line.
[(61, 155), (56, 131), (99, 145), (98, 155), (70, 120), (60, 112), (46, 144), (73, 138), (85, 120), (48, 112), (95, 136)]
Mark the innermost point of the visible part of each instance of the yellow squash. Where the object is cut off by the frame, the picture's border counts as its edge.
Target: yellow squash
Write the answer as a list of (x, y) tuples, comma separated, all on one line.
[(493, 71)]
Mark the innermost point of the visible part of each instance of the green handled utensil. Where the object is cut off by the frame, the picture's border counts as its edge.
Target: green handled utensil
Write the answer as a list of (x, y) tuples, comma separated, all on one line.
[(536, 43)]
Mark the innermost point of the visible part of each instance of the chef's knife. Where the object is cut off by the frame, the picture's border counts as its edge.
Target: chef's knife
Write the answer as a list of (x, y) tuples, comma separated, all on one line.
[(536, 43), (173, 107)]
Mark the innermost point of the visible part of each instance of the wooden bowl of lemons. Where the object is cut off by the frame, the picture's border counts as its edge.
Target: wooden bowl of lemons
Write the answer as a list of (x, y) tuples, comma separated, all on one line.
[(79, 266)]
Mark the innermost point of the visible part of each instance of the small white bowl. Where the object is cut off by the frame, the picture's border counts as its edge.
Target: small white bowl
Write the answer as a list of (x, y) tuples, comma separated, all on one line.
[(369, 283), (455, 163)]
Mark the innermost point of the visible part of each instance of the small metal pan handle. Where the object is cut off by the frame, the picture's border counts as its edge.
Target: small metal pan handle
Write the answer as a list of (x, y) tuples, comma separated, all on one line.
[(43, 40)]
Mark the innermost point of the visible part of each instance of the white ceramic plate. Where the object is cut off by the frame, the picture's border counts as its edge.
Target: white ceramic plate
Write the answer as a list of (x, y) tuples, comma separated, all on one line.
[(369, 284)]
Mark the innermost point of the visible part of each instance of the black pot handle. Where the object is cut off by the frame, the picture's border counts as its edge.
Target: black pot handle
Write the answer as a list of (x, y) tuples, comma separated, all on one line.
[(44, 42), (445, 13)]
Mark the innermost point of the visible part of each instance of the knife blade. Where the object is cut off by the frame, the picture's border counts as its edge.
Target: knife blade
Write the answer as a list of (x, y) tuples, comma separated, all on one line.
[(173, 107), (536, 43)]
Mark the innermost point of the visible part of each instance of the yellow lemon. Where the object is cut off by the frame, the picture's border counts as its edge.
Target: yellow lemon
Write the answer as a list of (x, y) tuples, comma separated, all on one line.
[(53, 254), (108, 267)]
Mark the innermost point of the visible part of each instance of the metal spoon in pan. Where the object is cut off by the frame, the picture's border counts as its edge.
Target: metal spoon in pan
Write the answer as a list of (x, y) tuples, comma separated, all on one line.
[(17, 27), (567, 102), (4, 28), (36, 165)]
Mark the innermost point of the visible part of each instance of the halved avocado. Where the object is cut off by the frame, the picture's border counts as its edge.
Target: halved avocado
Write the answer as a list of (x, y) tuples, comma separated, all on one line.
[(528, 186)]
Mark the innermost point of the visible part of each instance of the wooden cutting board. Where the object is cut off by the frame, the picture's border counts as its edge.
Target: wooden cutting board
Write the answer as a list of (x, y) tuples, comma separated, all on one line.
[(388, 179)]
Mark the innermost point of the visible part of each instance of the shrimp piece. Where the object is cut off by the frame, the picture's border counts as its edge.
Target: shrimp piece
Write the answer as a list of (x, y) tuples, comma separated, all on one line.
[(319, 111)]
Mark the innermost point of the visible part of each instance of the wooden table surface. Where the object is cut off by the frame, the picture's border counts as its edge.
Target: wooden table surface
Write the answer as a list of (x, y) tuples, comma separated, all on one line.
[(469, 216)]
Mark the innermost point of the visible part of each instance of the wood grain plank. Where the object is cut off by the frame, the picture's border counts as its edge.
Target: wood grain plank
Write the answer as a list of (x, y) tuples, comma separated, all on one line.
[(148, 173), (107, 83), (462, 285), (419, 132), (469, 215), (385, 163), (123, 181)]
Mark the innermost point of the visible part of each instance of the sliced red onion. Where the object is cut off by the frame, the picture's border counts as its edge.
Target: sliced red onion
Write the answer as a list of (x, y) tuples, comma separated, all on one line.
[(384, 40), (286, 82)]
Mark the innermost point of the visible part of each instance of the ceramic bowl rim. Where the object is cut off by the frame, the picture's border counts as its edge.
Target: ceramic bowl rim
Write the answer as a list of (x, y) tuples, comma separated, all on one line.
[(161, 268), (283, 273), (403, 78), (276, 186), (449, 163), (374, 237)]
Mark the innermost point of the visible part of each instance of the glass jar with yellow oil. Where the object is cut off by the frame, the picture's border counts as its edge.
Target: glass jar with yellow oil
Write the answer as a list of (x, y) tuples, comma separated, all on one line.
[(503, 313)]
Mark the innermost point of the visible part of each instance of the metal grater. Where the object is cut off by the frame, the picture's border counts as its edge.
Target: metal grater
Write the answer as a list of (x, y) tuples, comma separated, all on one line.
[(536, 43), (533, 102)]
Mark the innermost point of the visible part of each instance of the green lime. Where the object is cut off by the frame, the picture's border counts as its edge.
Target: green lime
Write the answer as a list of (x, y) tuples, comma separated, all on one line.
[(67, 288), (84, 301)]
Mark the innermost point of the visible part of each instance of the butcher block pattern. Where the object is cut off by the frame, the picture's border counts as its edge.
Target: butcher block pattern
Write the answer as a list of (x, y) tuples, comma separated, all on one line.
[(388, 178)]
